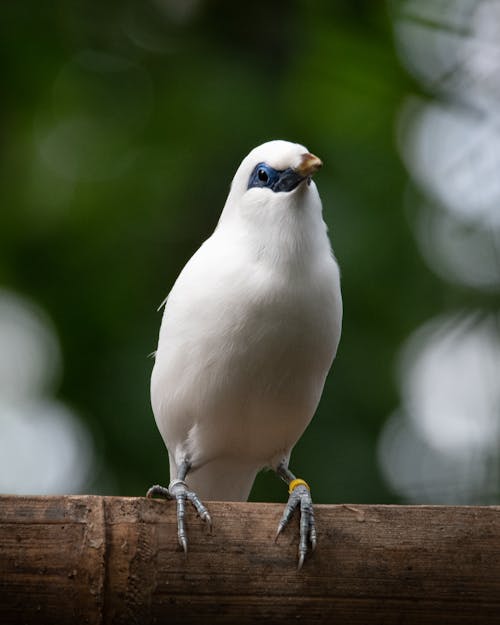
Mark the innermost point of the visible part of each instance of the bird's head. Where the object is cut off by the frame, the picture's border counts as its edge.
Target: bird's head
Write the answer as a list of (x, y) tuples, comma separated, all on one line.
[(274, 176)]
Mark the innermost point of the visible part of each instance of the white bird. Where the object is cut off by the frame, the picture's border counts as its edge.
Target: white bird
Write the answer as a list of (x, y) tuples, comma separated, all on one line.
[(248, 335)]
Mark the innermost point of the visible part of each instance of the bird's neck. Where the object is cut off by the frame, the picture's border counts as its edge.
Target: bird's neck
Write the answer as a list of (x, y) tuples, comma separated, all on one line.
[(290, 242)]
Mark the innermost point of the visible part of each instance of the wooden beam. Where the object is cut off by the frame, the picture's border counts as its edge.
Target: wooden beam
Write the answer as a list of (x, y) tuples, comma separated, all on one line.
[(89, 559)]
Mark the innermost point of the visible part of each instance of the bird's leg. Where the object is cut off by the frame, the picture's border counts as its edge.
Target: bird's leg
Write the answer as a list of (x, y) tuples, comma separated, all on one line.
[(178, 490), (299, 494)]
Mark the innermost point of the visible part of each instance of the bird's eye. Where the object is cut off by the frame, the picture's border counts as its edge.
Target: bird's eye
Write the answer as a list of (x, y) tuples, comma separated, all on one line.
[(262, 175)]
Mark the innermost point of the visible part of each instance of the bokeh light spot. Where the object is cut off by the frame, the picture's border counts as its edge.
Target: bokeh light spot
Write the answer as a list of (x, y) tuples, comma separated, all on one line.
[(44, 448)]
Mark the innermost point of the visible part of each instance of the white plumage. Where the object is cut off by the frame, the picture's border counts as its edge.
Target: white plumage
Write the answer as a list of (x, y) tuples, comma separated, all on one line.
[(249, 331)]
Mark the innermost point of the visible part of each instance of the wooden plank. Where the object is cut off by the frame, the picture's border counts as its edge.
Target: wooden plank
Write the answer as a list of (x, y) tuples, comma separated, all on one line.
[(116, 560), (52, 559)]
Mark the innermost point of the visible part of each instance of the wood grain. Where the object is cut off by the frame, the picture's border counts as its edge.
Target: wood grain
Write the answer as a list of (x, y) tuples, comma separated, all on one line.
[(89, 559)]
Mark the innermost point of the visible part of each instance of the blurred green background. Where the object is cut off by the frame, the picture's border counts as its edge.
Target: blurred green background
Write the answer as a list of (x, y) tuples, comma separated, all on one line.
[(122, 126)]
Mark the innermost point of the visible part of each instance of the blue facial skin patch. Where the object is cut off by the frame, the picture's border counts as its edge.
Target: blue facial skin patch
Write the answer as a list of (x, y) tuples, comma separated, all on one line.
[(265, 176)]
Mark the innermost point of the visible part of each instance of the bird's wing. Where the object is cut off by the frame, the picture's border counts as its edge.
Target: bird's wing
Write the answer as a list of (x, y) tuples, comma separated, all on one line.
[(162, 304)]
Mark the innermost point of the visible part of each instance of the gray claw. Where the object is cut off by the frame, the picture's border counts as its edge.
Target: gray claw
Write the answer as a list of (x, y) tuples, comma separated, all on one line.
[(178, 490), (180, 496), (200, 509), (278, 532), (208, 520), (183, 543), (300, 495), (160, 491), (301, 561), (312, 534)]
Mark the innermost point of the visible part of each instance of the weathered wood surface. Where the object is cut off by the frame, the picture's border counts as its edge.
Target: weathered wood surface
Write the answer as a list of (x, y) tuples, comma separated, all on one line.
[(88, 559)]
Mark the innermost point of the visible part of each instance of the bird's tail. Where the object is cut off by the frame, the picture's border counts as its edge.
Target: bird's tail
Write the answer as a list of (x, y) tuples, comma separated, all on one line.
[(222, 480)]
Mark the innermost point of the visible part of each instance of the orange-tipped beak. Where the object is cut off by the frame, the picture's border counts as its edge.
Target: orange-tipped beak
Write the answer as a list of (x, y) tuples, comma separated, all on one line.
[(308, 165)]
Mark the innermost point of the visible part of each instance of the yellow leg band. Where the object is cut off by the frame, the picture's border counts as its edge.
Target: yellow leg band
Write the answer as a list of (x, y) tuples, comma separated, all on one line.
[(294, 483)]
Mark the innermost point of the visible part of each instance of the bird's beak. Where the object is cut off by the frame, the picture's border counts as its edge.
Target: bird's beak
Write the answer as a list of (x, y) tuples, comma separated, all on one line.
[(290, 178), (309, 165)]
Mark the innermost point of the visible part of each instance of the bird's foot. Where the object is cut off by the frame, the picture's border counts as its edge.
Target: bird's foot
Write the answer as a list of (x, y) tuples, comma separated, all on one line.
[(178, 490), (300, 494)]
